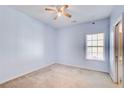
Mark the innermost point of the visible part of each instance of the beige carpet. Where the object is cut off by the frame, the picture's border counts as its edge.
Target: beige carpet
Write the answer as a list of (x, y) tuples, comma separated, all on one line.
[(61, 76)]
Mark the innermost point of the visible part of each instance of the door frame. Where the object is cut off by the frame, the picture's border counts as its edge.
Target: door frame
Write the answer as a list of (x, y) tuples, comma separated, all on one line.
[(120, 19), (115, 47), (123, 48)]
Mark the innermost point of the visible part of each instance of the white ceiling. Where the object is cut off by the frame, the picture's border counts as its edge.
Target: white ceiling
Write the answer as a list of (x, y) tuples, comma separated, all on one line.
[(80, 13)]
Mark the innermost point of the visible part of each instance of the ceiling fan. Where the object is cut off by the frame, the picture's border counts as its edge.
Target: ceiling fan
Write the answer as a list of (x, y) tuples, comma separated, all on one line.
[(59, 10)]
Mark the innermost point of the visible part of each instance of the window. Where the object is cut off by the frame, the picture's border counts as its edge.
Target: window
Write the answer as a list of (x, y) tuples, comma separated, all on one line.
[(95, 46)]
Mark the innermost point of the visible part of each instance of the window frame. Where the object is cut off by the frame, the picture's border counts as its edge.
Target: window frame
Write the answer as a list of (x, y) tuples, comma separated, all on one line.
[(94, 46)]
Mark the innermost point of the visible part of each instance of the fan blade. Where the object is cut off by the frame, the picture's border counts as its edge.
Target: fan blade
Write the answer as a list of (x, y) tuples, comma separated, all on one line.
[(49, 9), (56, 17), (67, 14), (63, 7), (66, 6)]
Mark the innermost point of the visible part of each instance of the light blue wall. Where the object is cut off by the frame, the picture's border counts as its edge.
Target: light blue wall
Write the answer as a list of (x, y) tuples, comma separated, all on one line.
[(115, 17), (72, 45), (25, 44)]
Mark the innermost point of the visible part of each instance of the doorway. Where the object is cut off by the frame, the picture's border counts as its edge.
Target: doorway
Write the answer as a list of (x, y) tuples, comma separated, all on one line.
[(118, 48)]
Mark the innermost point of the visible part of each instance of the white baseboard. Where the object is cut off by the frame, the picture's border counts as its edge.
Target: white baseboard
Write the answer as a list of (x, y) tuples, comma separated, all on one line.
[(24, 73), (82, 67)]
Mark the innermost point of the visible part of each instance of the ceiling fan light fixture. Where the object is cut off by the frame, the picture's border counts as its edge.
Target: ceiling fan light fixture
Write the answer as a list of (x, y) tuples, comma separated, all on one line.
[(60, 11)]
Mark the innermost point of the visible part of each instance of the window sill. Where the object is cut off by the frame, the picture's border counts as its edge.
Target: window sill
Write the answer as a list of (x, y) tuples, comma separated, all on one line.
[(95, 60)]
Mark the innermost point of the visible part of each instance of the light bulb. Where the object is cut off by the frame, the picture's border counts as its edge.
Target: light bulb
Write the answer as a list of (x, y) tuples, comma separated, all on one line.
[(59, 14)]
